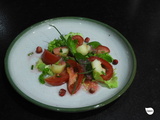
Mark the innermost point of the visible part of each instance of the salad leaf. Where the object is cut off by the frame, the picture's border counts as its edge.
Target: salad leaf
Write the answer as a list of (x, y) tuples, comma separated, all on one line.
[(112, 83), (40, 65), (97, 76), (79, 56), (45, 73), (71, 34), (41, 78), (105, 56), (71, 44), (45, 69), (55, 43), (94, 44)]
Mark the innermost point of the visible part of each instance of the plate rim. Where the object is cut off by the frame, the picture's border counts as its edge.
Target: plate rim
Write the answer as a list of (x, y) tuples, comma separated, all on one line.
[(79, 109)]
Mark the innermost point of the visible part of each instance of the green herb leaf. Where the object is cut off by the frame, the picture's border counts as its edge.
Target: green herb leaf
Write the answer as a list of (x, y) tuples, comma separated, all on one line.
[(87, 72), (79, 56), (105, 56), (94, 44), (72, 45), (31, 53)]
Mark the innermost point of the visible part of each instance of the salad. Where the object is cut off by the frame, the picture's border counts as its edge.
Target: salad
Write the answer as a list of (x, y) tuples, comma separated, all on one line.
[(73, 60)]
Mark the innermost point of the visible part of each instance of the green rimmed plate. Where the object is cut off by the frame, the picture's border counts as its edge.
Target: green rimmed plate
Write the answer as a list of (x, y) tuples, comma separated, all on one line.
[(25, 80)]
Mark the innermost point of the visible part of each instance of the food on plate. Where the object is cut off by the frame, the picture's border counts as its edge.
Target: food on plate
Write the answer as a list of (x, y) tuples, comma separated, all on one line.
[(76, 61)]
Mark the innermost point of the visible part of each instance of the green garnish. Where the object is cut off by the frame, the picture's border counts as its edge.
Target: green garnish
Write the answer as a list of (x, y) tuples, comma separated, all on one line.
[(94, 44), (63, 41), (61, 36), (60, 51), (103, 73), (71, 34), (79, 57), (40, 65), (31, 53), (112, 83), (45, 73), (55, 43), (105, 56), (45, 69), (71, 44), (41, 79), (32, 66), (90, 71)]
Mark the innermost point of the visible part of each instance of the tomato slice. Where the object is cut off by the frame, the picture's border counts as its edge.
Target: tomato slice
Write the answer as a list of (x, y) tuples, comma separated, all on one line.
[(74, 84), (49, 58), (58, 80), (106, 65), (102, 49), (79, 38)]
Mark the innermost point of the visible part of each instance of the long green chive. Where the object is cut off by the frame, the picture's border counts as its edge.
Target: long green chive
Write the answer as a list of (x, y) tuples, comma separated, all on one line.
[(87, 72), (59, 33)]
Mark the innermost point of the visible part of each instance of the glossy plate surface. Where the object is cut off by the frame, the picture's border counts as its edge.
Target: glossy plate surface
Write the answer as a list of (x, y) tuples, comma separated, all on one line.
[(25, 81)]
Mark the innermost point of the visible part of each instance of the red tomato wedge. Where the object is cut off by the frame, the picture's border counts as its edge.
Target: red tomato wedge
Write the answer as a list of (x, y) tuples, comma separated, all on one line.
[(79, 38), (58, 80), (106, 65), (75, 79), (49, 58), (102, 49)]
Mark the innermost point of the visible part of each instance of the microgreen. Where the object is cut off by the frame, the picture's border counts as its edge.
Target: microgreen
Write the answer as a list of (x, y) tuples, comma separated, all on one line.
[(31, 53)]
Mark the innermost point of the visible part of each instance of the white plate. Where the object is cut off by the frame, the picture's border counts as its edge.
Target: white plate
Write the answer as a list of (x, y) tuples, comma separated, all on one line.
[(25, 81)]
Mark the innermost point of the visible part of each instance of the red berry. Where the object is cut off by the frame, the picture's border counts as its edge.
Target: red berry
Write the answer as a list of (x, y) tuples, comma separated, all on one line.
[(92, 90), (62, 92), (38, 49), (115, 62), (87, 39)]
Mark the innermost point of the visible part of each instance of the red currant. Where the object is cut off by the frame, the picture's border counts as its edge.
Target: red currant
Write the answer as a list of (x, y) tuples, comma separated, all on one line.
[(115, 62), (38, 49), (87, 39), (62, 92)]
